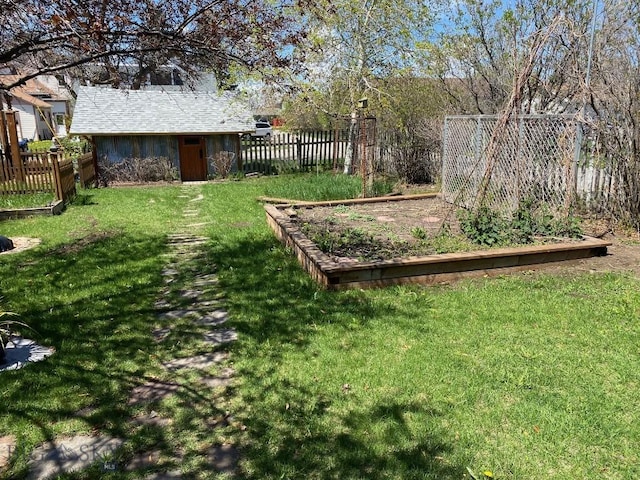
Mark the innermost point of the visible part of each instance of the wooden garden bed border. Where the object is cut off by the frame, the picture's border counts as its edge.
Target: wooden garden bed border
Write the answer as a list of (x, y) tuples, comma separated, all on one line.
[(428, 269), (54, 209)]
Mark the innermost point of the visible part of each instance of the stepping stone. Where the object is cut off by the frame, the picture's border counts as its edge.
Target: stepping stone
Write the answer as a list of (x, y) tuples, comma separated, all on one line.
[(223, 379), (70, 454), (86, 412), (206, 276), (144, 460), (192, 294), (213, 319), (179, 314), (223, 458), (189, 215), (170, 272), (184, 196), (162, 304), (220, 337), (185, 235), (185, 238), (165, 475), (152, 391), (152, 419), (199, 198), (159, 334), (7, 447), (187, 241), (204, 304), (219, 421), (199, 362), (205, 282)]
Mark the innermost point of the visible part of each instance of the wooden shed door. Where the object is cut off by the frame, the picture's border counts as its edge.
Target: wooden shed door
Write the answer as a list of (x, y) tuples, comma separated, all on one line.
[(193, 163)]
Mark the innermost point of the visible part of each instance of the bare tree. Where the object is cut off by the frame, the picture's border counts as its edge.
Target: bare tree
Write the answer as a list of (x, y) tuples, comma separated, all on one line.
[(479, 58), (614, 100)]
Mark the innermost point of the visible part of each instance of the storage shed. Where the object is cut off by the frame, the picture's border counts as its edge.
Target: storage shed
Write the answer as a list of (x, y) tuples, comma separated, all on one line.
[(188, 128)]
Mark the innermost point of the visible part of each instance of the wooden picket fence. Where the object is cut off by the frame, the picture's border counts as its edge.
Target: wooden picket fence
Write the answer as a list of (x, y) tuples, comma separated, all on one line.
[(299, 151), (34, 173)]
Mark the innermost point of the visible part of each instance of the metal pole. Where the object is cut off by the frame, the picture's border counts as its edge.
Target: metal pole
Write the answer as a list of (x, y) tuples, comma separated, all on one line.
[(587, 83)]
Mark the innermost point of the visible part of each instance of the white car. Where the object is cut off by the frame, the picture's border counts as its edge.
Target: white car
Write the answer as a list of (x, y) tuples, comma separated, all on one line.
[(263, 130)]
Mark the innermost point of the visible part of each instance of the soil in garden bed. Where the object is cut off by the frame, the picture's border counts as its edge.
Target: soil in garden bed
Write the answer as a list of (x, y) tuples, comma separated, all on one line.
[(385, 230)]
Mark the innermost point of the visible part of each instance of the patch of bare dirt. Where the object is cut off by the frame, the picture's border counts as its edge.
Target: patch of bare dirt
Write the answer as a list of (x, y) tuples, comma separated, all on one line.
[(20, 244), (380, 231), (83, 242)]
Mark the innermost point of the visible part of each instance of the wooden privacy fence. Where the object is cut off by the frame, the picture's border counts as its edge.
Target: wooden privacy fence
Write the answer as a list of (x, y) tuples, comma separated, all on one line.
[(87, 170), (300, 151), (38, 173)]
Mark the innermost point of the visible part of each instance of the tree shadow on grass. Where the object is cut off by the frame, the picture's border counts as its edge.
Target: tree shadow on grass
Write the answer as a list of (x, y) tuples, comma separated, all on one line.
[(296, 430), (306, 439), (94, 302)]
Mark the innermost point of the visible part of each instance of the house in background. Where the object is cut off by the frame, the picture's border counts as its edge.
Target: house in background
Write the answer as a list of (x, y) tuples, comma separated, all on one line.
[(59, 97), (42, 106), (188, 128)]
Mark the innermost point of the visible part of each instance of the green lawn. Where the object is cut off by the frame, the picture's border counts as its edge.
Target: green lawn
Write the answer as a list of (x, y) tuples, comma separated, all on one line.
[(527, 376), (35, 200)]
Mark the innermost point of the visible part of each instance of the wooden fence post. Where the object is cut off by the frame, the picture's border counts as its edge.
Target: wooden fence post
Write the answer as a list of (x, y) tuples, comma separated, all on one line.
[(56, 174), (16, 159), (94, 158), (4, 144), (239, 150)]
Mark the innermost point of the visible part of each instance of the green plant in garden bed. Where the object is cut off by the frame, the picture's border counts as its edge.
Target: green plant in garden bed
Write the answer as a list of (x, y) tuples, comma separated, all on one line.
[(488, 227)]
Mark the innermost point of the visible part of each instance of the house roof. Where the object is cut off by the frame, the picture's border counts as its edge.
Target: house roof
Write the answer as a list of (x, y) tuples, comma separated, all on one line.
[(25, 93), (23, 96), (108, 111)]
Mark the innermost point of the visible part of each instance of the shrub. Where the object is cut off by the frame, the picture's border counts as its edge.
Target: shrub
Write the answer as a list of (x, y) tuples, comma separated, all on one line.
[(484, 227), (488, 227), (415, 164), (149, 169), (222, 163)]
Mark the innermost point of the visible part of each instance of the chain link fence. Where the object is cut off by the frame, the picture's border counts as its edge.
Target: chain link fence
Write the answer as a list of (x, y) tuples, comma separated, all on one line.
[(529, 158)]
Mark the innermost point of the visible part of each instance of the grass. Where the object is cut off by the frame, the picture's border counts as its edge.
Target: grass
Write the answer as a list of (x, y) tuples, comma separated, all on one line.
[(33, 200), (321, 186), (526, 376)]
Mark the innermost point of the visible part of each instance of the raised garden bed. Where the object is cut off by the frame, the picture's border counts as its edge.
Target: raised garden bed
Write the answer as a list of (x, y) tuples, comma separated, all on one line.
[(54, 209), (344, 271)]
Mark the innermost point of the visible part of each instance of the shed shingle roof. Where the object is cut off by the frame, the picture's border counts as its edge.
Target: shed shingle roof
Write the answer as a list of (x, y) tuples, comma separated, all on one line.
[(108, 111)]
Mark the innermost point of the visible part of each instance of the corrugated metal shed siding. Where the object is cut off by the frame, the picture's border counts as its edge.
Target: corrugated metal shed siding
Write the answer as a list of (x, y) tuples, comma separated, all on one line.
[(116, 149), (221, 143)]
